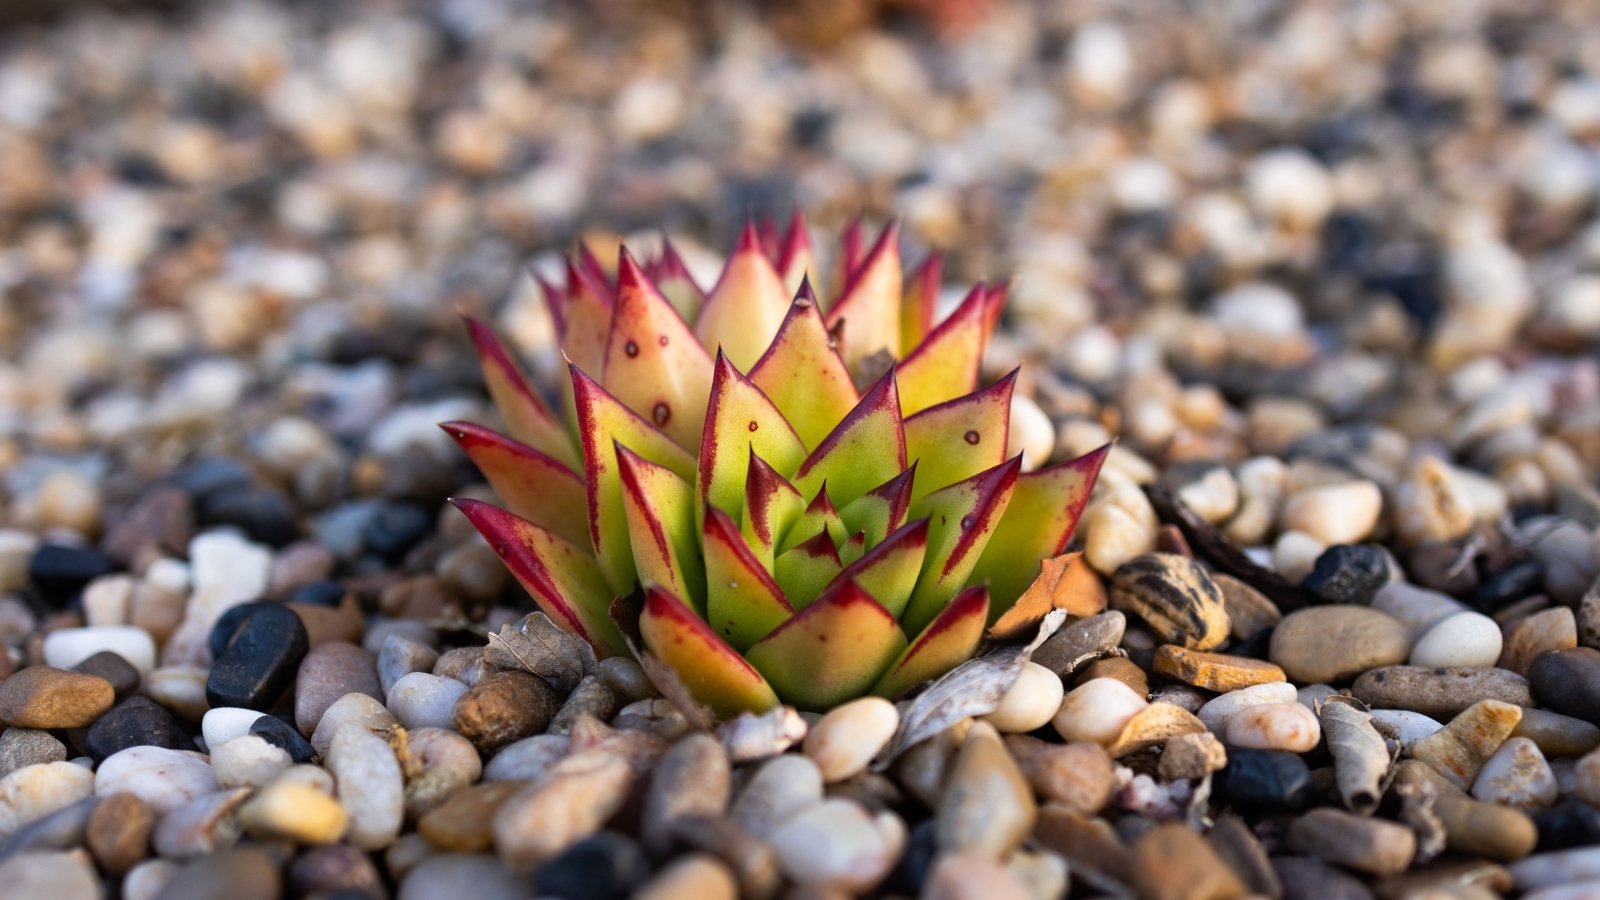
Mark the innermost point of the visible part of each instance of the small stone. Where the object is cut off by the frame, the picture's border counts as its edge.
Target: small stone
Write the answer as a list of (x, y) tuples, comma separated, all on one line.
[(60, 572), (1418, 607), (1233, 841), (988, 807), (1304, 878), (1404, 726), (1516, 775), (118, 834), (504, 707), (49, 698), (33, 792), (401, 656), (1117, 668), (748, 737), (1567, 681), (200, 827), (754, 863), (1030, 702), (463, 823), (371, 788), (1172, 862), (780, 788), (838, 844), (148, 879), (351, 709), (1551, 629), (1439, 693), (845, 740), (106, 599), (28, 746), (248, 761), (697, 876), (420, 700), (278, 733), (135, 722), (1373, 846), (1190, 756), (261, 661), (578, 795), (124, 678), (288, 810), (1552, 869), (1432, 504), (1264, 781), (527, 759), (225, 723), (65, 648), (1218, 711), (1568, 824), (1076, 775), (1097, 711), (443, 764), (244, 873), (328, 672), (692, 779), (1080, 642), (1175, 596), (1214, 671), (464, 664), (1464, 640), (1557, 735), (1459, 750), (164, 779), (605, 866), (1336, 643), (1153, 726), (1348, 573), (46, 873), (461, 875), (1334, 514), (339, 870)]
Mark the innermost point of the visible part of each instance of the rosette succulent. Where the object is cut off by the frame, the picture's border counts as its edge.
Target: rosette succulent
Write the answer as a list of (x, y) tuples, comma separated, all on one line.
[(717, 491)]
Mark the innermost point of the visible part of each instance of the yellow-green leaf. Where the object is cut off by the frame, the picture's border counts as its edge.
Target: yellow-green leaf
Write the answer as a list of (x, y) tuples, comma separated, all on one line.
[(744, 310), (743, 602), (527, 416), (945, 365), (869, 306), (866, 449), (714, 673), (961, 519), (947, 642), (531, 484), (741, 420), (889, 571), (806, 570), (661, 532), (959, 438), (831, 651), (804, 375), (653, 364)]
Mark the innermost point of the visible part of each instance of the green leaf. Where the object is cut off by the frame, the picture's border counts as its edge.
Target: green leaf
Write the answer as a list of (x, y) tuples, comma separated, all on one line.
[(804, 375), (746, 307), (743, 603), (947, 642), (960, 438), (740, 420), (819, 517), (869, 306), (661, 530), (527, 416), (831, 651), (653, 364), (882, 509), (866, 449), (961, 519), (771, 507), (1044, 511), (806, 570), (945, 365), (531, 484), (561, 578), (921, 301), (715, 674), (889, 570)]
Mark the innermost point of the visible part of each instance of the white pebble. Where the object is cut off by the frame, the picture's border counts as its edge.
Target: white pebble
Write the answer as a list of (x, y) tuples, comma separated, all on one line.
[(224, 723), (33, 792), (780, 788), (370, 786), (1517, 775), (66, 647), (1218, 710), (1335, 513), (1418, 607), (351, 708), (1031, 701), (148, 880), (1213, 497), (1097, 710), (845, 740), (527, 759), (420, 700), (1463, 639), (165, 779), (1408, 726), (1295, 554), (248, 761), (1030, 433), (1275, 726), (837, 843)]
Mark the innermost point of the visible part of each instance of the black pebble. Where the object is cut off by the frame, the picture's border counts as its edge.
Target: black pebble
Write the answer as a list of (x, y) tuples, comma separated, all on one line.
[(206, 477), (1523, 578), (59, 572), (607, 866), (261, 513), (112, 667), (135, 722), (261, 662), (396, 529), (910, 873), (228, 623), (278, 733), (1570, 824), (1348, 573), (1264, 781), (317, 593)]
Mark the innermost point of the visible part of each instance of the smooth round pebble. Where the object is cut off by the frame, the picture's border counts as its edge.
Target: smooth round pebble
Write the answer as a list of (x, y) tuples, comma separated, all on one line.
[(350, 709), (1465, 639), (1030, 703), (64, 648), (294, 811), (421, 700), (1217, 711), (33, 792), (370, 785), (1097, 711), (1275, 726), (248, 761), (845, 740), (1336, 643), (165, 779), (1517, 775)]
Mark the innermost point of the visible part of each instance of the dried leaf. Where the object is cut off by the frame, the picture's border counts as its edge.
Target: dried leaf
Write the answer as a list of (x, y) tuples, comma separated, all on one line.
[(1065, 582), (970, 689), (1417, 799), (1361, 759), (538, 645)]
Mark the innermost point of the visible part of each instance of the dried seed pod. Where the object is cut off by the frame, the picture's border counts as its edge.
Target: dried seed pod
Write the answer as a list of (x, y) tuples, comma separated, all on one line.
[(1155, 724), (1360, 756), (1175, 596)]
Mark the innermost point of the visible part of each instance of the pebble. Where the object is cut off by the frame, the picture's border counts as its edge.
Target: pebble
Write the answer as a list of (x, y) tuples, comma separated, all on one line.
[(692, 779), (328, 672), (224, 723), (1236, 844), (370, 785), (502, 708), (118, 833), (1550, 629), (1462, 640), (1557, 735), (202, 826), (1250, 613), (147, 880), (279, 734), (245, 873), (1080, 642), (1030, 702), (1432, 504), (1332, 644), (261, 661), (288, 810), (987, 807), (1566, 681), (358, 709), (1367, 845), (401, 656), (1348, 573), (1217, 711), (1418, 607), (1439, 693), (248, 761), (27, 746), (33, 792), (1175, 596), (49, 698), (1459, 750), (420, 700), (1516, 775), (1334, 514), (60, 572), (65, 648), (1171, 862), (463, 823), (1214, 671), (527, 759), (780, 788), (124, 678), (335, 870), (1076, 775), (838, 845), (136, 721), (696, 876), (845, 740), (1097, 711), (1264, 781), (164, 779), (1275, 726), (578, 796), (45, 873), (1551, 869), (1405, 726), (461, 875)]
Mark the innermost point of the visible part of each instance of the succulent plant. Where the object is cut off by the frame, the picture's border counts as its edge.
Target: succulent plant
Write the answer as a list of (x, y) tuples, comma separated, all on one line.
[(725, 495)]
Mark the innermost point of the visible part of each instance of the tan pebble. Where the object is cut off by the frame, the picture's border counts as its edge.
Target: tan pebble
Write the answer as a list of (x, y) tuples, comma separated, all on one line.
[(1275, 726), (838, 844), (1516, 775), (42, 697), (694, 877), (1119, 668), (1465, 639), (1335, 643), (1557, 735), (1172, 862), (1249, 610), (578, 796), (1152, 726), (1586, 778), (1459, 749), (1217, 711), (1030, 702), (1113, 536), (987, 807), (1295, 554), (845, 740), (35, 791), (1551, 629), (289, 810), (1097, 711), (1077, 775), (1431, 504), (464, 823), (1175, 596), (1190, 756), (1335, 514), (118, 834), (1373, 846), (1214, 671), (973, 876), (68, 500)]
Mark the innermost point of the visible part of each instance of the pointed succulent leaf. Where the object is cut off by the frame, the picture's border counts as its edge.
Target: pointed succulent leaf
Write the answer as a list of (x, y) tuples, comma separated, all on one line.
[(672, 279), (1044, 510), (796, 258), (961, 519), (869, 306), (585, 318), (741, 420), (804, 375), (654, 365), (921, 302), (603, 423), (563, 579), (945, 365), (771, 507), (532, 484), (947, 642), (889, 571), (746, 307), (865, 450), (853, 547), (852, 250), (831, 651), (819, 517), (743, 602), (661, 532), (527, 416), (595, 270), (993, 305), (715, 674), (881, 510), (806, 570), (960, 438)]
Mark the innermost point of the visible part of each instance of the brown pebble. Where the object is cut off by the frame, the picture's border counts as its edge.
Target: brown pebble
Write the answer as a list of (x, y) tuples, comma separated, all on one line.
[(591, 697), (1214, 671), (414, 598), (331, 623), (1439, 693), (753, 862), (1152, 726), (1471, 827), (1331, 644), (119, 832), (1172, 862), (330, 671), (48, 698), (327, 871), (1552, 629), (1236, 845), (1374, 846), (1075, 775), (1304, 878), (1079, 643), (1459, 749), (692, 779), (242, 873), (462, 824), (1189, 756), (1085, 842), (1121, 668), (1249, 610), (1557, 735), (987, 807), (122, 676), (697, 876), (504, 707)]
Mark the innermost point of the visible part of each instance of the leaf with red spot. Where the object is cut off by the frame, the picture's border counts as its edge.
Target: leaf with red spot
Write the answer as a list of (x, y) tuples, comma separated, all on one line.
[(743, 602), (869, 305), (960, 438), (804, 375), (961, 519), (947, 642), (527, 416), (945, 365), (653, 364), (531, 484), (889, 570), (920, 306), (659, 507), (819, 517), (771, 507), (806, 570), (603, 423), (831, 651), (881, 510), (745, 309), (714, 673), (564, 580), (1044, 511), (796, 258), (740, 420), (865, 450), (671, 277)]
